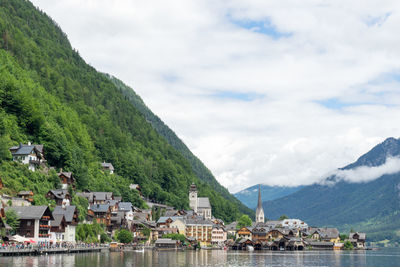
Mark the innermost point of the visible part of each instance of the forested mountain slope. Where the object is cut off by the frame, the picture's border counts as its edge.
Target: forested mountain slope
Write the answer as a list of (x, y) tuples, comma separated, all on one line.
[(372, 206), (49, 95)]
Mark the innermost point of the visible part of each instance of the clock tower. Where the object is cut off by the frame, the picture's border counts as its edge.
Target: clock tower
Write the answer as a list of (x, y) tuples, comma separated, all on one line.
[(193, 197)]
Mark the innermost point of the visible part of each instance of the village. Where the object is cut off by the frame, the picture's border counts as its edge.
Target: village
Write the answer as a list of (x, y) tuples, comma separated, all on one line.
[(160, 226)]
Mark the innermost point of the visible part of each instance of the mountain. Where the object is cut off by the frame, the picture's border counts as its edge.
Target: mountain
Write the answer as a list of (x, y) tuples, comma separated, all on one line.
[(373, 207), (49, 95), (249, 195)]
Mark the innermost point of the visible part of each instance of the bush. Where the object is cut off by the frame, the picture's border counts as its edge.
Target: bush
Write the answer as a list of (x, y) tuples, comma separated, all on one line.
[(348, 245), (124, 236)]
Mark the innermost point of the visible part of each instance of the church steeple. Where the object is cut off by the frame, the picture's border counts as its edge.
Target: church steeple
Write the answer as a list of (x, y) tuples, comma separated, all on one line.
[(259, 210)]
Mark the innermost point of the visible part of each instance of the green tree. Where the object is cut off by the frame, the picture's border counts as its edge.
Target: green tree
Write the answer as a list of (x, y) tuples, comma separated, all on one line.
[(104, 238), (179, 237), (283, 217), (12, 219), (243, 221), (343, 237), (124, 236), (348, 245)]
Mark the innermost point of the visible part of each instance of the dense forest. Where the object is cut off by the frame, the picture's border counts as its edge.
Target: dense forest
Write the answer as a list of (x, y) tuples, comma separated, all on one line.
[(50, 96)]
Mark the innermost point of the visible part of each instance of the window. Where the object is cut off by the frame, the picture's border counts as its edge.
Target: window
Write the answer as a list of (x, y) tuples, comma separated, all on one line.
[(28, 223)]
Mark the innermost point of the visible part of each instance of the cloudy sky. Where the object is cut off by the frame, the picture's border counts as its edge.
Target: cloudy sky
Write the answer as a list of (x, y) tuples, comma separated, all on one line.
[(275, 92)]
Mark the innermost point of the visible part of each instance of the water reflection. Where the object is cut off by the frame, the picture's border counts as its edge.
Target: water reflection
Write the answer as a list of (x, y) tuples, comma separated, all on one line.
[(210, 258)]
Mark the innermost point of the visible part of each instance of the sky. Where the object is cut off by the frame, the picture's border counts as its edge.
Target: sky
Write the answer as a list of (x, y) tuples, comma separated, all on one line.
[(278, 92)]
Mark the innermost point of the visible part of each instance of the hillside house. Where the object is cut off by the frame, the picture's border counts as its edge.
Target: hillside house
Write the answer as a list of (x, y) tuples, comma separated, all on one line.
[(34, 222), (66, 179), (60, 196), (31, 155), (101, 213), (108, 167), (26, 195)]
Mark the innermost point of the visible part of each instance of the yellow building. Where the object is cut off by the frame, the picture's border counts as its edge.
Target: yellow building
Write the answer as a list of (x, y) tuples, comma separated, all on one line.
[(180, 225), (199, 230)]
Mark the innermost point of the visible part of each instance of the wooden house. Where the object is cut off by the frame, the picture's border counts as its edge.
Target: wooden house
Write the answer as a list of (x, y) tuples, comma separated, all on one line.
[(26, 195)]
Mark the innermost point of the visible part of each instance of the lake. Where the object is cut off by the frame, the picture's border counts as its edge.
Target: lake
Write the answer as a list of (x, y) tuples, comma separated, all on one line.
[(384, 257)]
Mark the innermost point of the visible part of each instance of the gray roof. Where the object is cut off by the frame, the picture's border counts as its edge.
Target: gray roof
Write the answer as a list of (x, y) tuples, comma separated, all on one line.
[(25, 149), (140, 216), (125, 206), (66, 174), (30, 212), (165, 241), (57, 220), (24, 193), (118, 198), (173, 218), (327, 232), (203, 202), (102, 195), (112, 202), (60, 193), (67, 211), (107, 165), (198, 221), (100, 207), (231, 226)]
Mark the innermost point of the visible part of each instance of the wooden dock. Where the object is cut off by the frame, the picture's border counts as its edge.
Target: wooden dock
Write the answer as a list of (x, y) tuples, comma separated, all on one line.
[(43, 251)]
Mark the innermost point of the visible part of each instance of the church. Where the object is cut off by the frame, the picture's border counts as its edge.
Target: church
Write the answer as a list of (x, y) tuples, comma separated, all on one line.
[(200, 205), (259, 211)]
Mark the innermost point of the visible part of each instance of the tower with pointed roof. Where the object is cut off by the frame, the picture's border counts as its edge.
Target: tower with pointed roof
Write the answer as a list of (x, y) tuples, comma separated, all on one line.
[(193, 197), (259, 211)]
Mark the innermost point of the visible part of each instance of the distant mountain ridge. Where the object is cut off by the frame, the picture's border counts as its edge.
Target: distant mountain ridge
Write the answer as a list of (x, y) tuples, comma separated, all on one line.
[(249, 195), (373, 206)]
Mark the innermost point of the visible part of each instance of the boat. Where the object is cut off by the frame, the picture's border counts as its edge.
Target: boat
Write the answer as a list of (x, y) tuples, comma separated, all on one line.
[(250, 248)]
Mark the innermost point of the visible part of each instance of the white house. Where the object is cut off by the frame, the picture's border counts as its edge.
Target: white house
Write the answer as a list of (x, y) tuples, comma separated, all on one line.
[(29, 154), (294, 224)]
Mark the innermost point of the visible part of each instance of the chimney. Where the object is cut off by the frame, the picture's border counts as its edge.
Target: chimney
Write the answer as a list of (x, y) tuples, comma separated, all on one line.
[(20, 145), (29, 143)]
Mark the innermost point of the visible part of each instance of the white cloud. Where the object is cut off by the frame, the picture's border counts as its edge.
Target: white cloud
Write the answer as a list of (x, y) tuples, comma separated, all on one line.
[(366, 174), (191, 63)]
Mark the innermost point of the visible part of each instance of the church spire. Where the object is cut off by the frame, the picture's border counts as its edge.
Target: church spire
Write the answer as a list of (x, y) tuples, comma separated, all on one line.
[(259, 210), (259, 205)]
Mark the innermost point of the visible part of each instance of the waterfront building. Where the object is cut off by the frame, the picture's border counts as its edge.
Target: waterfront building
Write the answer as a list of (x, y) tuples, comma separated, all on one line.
[(34, 222), (244, 233), (67, 226), (218, 235), (357, 239), (260, 218), (200, 205), (200, 230)]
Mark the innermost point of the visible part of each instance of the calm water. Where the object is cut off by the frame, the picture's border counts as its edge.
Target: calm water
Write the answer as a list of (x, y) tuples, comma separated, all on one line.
[(385, 257)]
